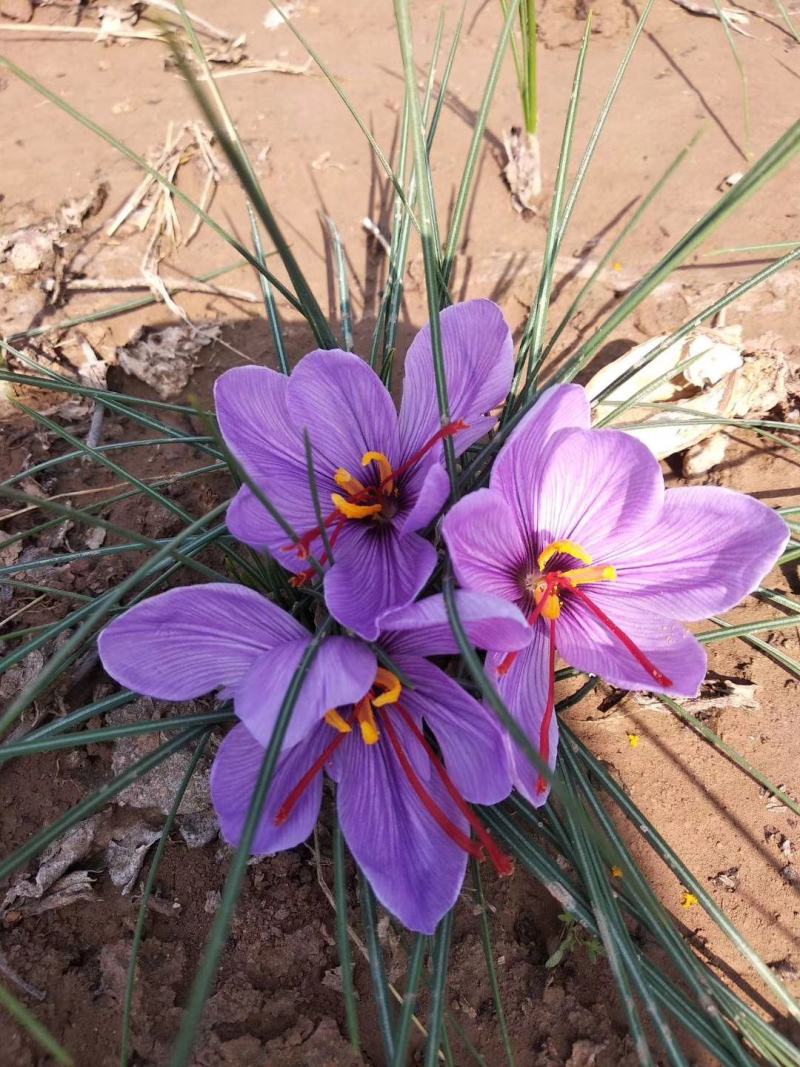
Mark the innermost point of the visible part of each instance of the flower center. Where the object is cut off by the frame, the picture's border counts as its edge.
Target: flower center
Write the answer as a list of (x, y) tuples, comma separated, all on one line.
[(367, 501), (546, 585), (357, 501), (386, 690)]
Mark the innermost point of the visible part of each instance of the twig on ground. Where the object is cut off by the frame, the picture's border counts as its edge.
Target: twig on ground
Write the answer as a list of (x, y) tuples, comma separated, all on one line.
[(266, 66), (202, 24), (359, 944), (95, 33), (734, 19), (8, 972), (173, 285), (374, 231), (15, 615)]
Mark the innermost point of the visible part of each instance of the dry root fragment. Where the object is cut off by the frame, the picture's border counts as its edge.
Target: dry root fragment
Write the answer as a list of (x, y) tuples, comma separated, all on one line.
[(523, 170), (165, 359), (126, 851), (717, 695), (723, 380), (52, 887)]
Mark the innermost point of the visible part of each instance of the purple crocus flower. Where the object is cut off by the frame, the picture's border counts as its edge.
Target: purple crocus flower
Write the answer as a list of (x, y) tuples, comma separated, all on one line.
[(577, 530), (380, 474), (402, 805)]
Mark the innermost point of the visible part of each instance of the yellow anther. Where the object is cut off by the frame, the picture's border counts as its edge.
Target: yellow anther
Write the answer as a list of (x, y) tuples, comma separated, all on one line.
[(366, 721), (569, 547), (585, 575), (355, 511), (384, 467), (551, 609), (369, 732), (391, 686), (345, 480), (334, 719)]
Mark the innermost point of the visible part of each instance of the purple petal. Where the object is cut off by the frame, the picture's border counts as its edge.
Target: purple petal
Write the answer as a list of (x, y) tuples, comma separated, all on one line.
[(345, 407), (486, 545), (424, 628), (478, 360), (253, 414), (586, 643), (471, 742), (414, 867), (341, 672), (186, 642), (430, 499), (524, 689), (599, 488), (233, 778), (375, 569), (558, 408), (250, 522), (710, 549), (254, 419)]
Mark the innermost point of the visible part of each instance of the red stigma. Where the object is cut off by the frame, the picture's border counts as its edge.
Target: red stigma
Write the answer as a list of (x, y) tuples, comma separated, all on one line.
[(286, 808), (299, 580), (481, 848), (501, 862), (450, 430), (507, 662), (427, 800), (658, 676)]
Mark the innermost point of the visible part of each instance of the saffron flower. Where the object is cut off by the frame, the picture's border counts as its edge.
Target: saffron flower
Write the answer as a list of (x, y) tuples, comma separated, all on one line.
[(380, 474), (402, 802), (576, 528)]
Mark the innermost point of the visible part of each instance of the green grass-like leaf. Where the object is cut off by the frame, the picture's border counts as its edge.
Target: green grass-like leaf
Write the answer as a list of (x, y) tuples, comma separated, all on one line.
[(147, 892), (201, 986), (17, 1010)]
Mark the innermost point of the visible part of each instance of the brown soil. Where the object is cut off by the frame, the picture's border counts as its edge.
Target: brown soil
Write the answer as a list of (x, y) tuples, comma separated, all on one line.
[(277, 999)]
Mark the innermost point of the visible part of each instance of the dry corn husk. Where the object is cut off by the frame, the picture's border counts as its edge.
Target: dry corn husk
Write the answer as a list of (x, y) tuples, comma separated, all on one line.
[(722, 380)]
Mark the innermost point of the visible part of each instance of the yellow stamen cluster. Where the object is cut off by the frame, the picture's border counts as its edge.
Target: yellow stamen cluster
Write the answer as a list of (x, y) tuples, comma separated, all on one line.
[(356, 490), (390, 687), (540, 588)]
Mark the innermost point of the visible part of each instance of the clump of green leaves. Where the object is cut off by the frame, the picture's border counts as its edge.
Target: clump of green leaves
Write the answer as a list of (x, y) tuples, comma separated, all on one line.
[(575, 825), (575, 938)]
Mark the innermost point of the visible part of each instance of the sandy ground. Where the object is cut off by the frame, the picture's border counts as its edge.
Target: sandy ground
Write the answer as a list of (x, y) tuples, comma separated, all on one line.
[(277, 999)]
